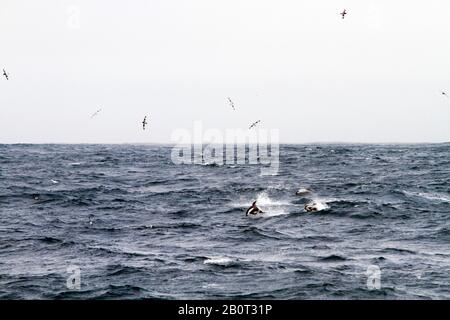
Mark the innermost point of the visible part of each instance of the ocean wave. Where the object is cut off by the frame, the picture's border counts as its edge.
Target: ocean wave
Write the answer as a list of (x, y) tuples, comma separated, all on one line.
[(255, 231), (317, 205), (366, 215), (122, 291), (269, 206), (116, 270), (221, 261), (429, 196), (50, 240), (116, 251), (398, 250), (333, 258), (165, 230), (180, 225)]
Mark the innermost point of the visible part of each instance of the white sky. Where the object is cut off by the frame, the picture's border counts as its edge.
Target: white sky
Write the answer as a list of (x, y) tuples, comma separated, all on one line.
[(375, 76)]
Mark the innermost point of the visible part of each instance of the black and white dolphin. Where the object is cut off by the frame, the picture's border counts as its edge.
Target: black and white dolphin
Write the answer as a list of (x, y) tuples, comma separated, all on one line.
[(311, 207), (253, 209)]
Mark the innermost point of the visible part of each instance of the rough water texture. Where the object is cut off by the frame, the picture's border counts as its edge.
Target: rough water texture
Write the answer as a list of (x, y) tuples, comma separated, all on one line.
[(139, 226)]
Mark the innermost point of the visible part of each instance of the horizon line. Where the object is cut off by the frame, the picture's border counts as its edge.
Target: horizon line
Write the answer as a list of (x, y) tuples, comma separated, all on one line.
[(205, 143)]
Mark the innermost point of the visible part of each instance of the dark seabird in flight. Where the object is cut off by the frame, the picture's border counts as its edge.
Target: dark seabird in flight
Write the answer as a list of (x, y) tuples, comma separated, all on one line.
[(343, 13), (254, 124), (444, 94), (5, 74), (144, 123), (96, 113), (231, 103)]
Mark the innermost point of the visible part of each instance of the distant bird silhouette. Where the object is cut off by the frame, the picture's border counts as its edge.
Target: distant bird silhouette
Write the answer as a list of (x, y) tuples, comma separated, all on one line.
[(144, 123), (96, 113), (254, 124), (444, 94), (231, 103), (5, 74), (343, 13)]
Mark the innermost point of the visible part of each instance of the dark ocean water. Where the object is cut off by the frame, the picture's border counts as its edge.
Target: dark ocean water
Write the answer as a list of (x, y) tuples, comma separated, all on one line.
[(139, 226)]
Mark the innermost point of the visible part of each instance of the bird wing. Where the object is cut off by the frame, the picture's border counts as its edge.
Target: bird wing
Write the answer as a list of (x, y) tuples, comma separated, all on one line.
[(231, 102), (96, 113)]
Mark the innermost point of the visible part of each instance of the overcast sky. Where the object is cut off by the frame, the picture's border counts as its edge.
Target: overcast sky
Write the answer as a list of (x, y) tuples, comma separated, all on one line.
[(375, 76)]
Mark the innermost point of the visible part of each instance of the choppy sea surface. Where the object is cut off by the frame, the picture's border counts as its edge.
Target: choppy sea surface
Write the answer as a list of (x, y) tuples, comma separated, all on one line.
[(139, 226)]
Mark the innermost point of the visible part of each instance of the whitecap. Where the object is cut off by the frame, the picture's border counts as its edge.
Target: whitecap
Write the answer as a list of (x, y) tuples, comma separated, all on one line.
[(428, 196), (211, 286), (269, 206), (263, 199), (221, 261), (74, 163), (303, 191), (319, 205)]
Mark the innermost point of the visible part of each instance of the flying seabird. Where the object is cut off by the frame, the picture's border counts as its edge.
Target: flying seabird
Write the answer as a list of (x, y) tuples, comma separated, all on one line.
[(254, 124), (231, 103), (144, 123), (5, 74), (96, 113), (444, 94), (343, 13)]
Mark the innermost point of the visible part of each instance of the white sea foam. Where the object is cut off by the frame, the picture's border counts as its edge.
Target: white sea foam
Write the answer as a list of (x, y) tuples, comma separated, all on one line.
[(428, 195), (221, 261), (271, 207), (303, 191), (211, 286), (75, 163), (263, 199), (320, 204)]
